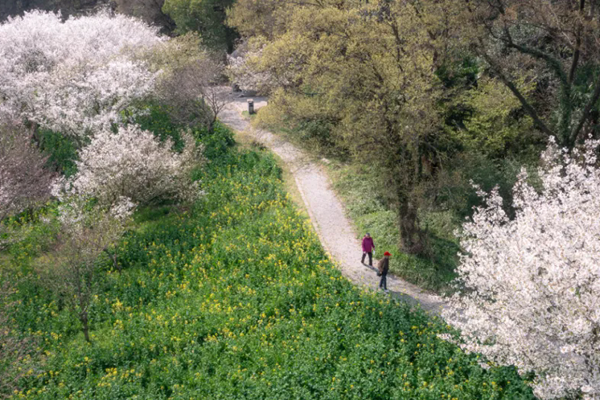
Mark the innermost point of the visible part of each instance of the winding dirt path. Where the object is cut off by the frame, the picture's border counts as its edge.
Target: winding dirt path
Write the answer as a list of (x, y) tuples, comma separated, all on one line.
[(326, 211)]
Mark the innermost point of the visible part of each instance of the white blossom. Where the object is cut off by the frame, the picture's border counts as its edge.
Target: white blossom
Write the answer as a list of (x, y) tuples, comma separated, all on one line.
[(244, 70), (76, 76), (122, 208), (135, 165), (531, 284)]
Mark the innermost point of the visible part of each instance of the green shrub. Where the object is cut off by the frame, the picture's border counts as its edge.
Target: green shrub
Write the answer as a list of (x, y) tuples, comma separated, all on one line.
[(61, 151), (28, 234), (216, 142), (157, 120)]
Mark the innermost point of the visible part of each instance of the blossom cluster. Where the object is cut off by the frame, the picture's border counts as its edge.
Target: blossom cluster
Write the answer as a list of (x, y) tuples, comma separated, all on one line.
[(531, 284), (75, 76), (243, 69), (78, 77), (134, 164)]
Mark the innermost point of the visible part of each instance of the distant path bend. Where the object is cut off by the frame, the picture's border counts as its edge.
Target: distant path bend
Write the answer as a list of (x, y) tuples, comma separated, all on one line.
[(326, 211)]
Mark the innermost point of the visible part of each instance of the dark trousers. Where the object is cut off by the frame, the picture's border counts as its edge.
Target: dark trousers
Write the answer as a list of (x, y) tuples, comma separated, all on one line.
[(383, 282), (370, 253)]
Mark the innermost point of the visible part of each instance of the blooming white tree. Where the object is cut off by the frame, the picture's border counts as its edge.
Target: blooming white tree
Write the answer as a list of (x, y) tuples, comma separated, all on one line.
[(75, 76), (246, 70), (531, 284), (134, 164)]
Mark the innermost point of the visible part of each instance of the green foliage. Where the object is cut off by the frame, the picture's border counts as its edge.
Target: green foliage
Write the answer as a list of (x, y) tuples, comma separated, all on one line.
[(495, 126), (61, 151), (206, 17), (28, 234), (459, 71), (456, 194), (313, 134), (216, 141), (581, 93), (157, 120), (235, 298)]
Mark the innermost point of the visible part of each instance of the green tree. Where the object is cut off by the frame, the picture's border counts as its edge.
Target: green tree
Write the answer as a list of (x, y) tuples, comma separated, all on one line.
[(556, 44), (367, 71), (264, 18), (206, 17), (148, 10)]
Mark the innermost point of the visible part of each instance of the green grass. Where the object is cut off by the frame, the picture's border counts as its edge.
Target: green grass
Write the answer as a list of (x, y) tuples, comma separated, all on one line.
[(248, 115)]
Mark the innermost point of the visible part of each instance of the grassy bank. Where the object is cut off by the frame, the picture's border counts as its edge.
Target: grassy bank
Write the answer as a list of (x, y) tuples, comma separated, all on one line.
[(434, 271), (235, 298)]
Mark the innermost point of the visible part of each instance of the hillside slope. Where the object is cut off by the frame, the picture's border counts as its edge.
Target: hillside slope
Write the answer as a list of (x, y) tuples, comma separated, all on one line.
[(234, 297)]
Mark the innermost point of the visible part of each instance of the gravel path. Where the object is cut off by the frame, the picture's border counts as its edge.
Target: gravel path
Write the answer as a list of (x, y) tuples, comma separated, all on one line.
[(326, 211)]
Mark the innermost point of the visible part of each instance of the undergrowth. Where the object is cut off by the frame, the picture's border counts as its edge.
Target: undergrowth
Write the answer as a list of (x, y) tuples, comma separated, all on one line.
[(434, 271)]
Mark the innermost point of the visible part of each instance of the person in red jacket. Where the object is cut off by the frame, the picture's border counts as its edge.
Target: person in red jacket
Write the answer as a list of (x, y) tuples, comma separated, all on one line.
[(382, 269), (367, 247)]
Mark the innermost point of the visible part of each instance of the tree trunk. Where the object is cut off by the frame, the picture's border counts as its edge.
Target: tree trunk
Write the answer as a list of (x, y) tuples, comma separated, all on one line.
[(116, 263), (83, 317), (113, 257), (35, 135), (411, 235)]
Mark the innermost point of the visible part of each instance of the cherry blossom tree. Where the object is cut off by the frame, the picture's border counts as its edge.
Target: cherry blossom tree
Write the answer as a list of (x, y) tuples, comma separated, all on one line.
[(531, 284), (134, 164), (75, 76)]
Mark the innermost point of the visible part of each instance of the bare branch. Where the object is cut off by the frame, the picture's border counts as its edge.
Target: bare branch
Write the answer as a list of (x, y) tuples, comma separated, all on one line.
[(24, 178), (577, 50), (526, 105)]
